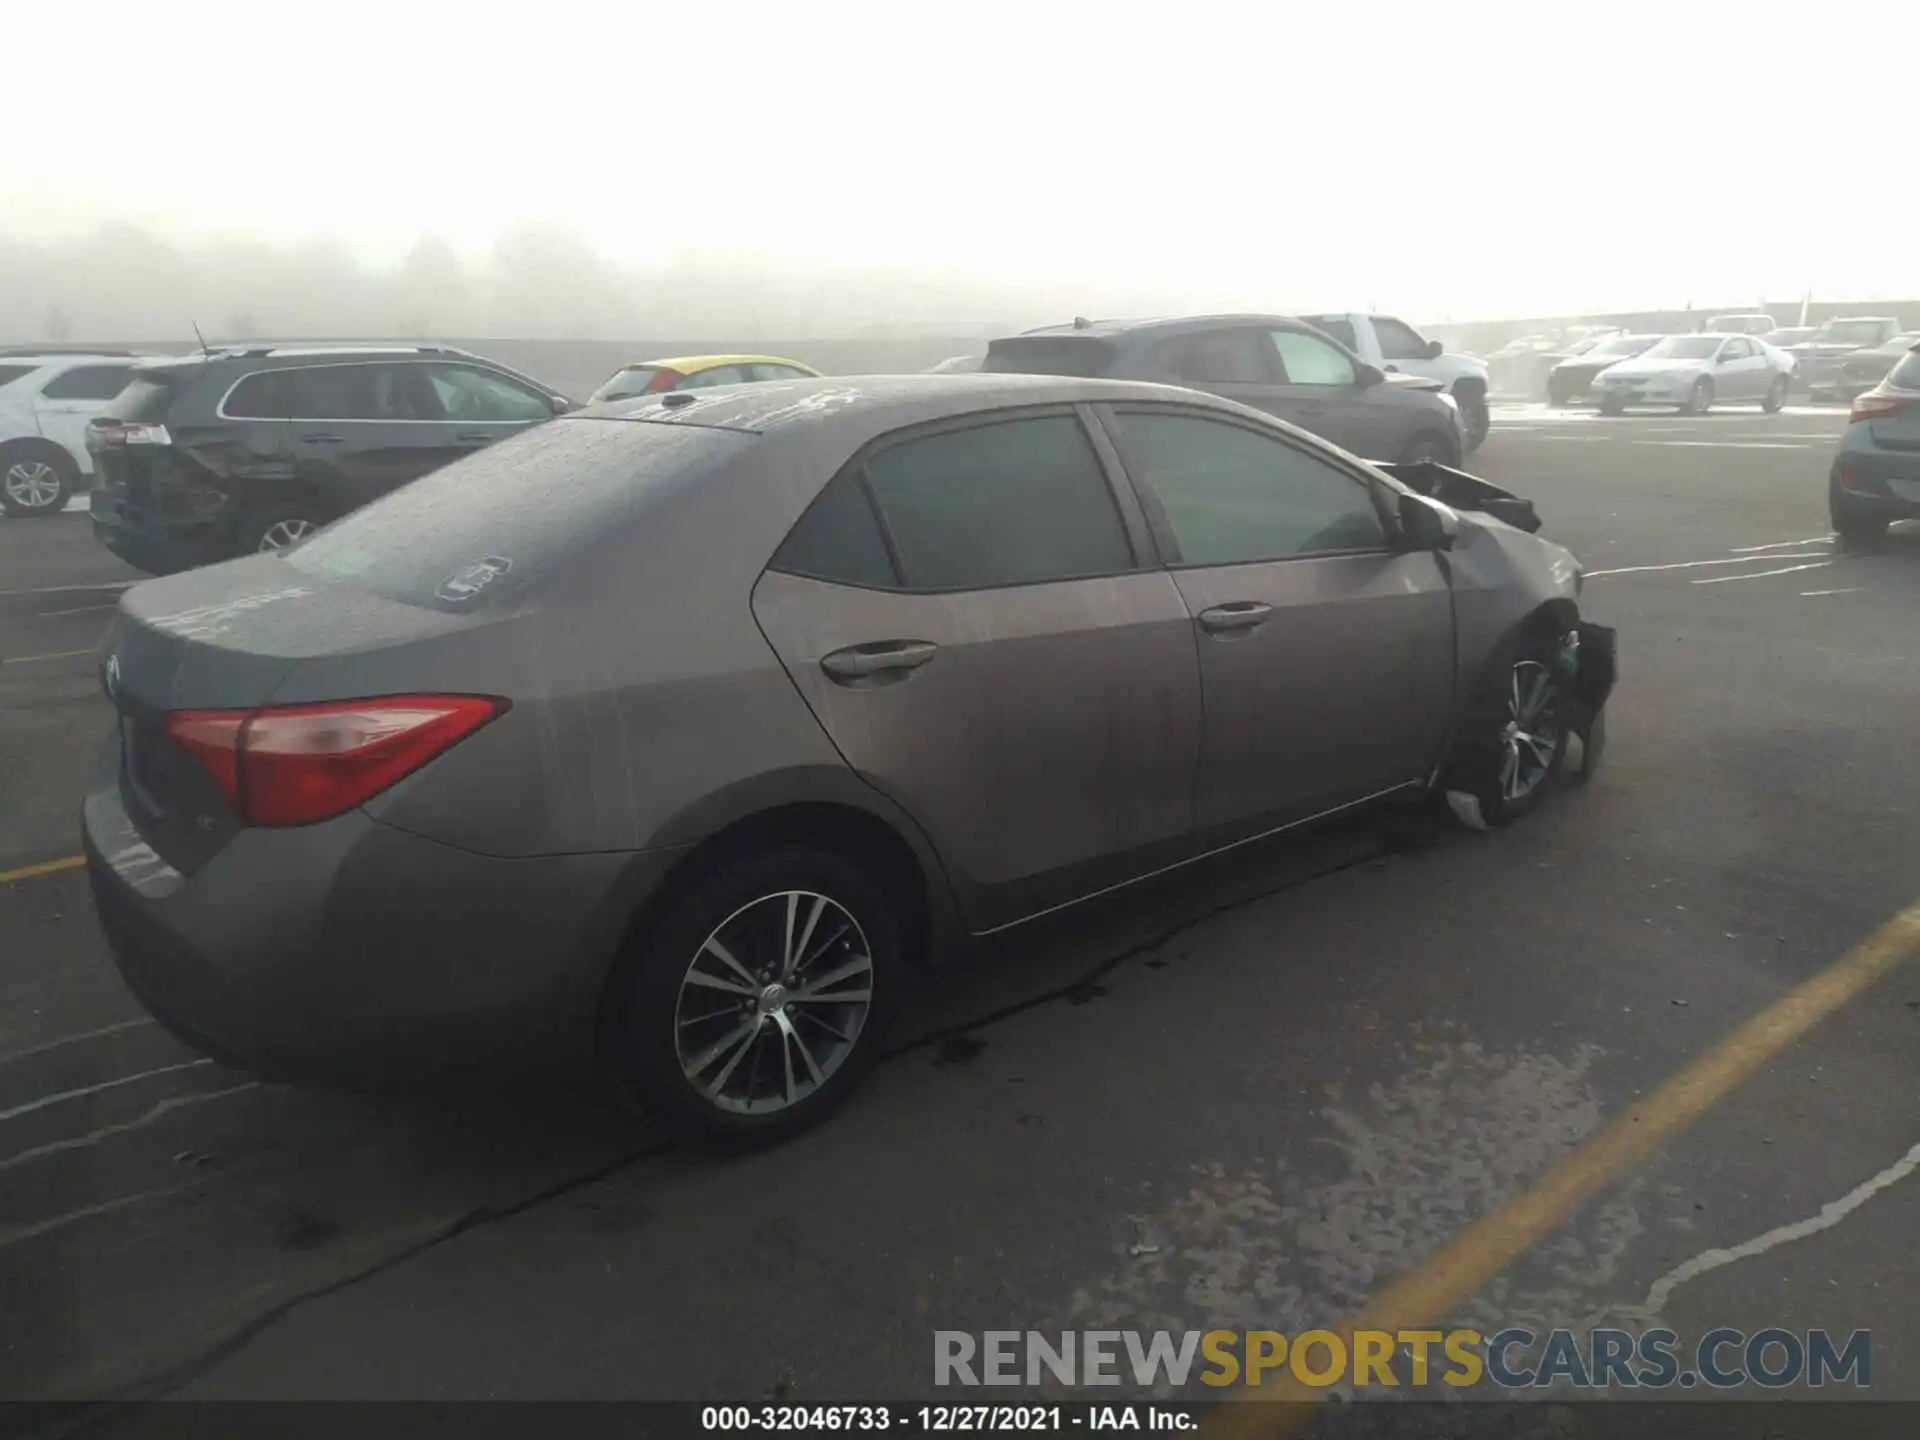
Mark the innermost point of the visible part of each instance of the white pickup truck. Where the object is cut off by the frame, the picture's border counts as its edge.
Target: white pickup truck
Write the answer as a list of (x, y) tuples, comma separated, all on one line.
[(1393, 345)]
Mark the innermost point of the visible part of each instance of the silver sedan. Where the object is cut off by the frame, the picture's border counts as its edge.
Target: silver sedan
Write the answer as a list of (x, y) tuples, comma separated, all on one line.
[(1696, 372)]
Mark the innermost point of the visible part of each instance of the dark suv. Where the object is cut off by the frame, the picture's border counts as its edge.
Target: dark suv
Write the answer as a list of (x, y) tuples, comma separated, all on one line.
[(209, 456), (1274, 363)]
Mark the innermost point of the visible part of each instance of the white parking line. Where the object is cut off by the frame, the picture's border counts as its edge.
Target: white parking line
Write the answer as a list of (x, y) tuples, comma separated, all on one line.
[(1782, 544), (54, 655), (71, 589), (1728, 444), (1762, 574), (1850, 590), (1692, 564)]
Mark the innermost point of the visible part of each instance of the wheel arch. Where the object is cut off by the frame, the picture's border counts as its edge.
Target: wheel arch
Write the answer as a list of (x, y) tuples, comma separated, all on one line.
[(39, 446)]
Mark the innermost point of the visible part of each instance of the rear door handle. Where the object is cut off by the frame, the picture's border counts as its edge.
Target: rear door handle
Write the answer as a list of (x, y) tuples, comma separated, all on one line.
[(319, 439), (474, 437), (858, 662), (1241, 615)]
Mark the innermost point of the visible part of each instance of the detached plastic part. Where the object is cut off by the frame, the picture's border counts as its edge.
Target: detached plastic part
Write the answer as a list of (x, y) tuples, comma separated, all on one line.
[(1466, 809)]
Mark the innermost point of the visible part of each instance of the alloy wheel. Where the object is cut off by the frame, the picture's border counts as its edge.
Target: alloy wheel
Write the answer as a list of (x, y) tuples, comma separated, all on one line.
[(1531, 737), (773, 1002), (33, 484), (283, 533)]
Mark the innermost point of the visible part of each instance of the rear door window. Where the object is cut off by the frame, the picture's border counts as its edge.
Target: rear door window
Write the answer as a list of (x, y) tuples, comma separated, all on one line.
[(839, 539), (491, 525), (1011, 502), (1219, 357), (360, 392), (11, 373), (1078, 357), (88, 382), (777, 372)]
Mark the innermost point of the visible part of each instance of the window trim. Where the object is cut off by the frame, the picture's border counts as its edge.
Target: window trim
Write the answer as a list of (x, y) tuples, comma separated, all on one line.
[(1134, 526), (1373, 487), (220, 410)]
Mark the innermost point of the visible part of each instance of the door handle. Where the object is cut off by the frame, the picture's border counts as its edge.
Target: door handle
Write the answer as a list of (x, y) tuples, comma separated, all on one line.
[(473, 437), (858, 662), (319, 439), (1241, 615)]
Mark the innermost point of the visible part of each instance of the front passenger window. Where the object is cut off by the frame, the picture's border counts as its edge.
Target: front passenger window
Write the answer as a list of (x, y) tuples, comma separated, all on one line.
[(1233, 496), (1308, 360)]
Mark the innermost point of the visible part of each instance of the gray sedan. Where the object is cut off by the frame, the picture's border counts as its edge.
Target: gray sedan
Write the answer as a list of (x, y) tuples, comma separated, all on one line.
[(673, 734), (1695, 372)]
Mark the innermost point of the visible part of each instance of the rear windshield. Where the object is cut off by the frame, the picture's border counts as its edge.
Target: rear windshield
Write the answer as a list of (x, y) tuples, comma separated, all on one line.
[(1852, 332), (11, 373), (1906, 374), (626, 384), (484, 528), (1080, 357), (146, 398)]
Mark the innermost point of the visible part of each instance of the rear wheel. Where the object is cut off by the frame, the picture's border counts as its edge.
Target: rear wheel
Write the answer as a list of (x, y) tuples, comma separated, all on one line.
[(276, 527), (1474, 417), (1856, 528), (753, 1008), (1700, 398), (36, 483), (1611, 407), (1776, 396), (1431, 447)]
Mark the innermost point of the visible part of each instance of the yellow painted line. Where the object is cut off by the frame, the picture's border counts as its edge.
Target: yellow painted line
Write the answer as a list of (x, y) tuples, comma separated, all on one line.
[(45, 867), (1461, 1268)]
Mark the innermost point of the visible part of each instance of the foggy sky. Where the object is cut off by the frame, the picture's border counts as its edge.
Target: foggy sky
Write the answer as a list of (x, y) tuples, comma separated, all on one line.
[(657, 168)]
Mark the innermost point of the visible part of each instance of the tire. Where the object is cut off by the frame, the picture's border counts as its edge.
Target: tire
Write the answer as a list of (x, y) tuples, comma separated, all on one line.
[(37, 481), (1856, 528), (667, 1030), (1508, 778), (273, 527), (1776, 396), (1475, 419), (1700, 398), (1428, 446)]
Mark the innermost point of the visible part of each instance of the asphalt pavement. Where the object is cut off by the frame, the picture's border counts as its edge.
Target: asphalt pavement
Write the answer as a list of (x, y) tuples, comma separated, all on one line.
[(1249, 1097)]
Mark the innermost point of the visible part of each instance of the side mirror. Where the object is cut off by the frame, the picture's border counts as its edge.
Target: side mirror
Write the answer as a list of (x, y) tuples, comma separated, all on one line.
[(562, 405), (1367, 376), (1435, 349), (1427, 524)]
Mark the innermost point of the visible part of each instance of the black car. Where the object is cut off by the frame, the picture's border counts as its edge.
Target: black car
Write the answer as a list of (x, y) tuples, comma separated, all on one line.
[(1274, 363), (209, 456), (1571, 379), (1876, 476), (1864, 369)]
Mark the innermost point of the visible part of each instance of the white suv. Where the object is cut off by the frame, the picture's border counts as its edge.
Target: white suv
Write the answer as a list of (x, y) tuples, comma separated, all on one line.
[(46, 400)]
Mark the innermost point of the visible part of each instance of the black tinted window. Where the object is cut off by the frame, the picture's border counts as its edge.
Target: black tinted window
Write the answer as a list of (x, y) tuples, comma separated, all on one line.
[(361, 392), (1398, 341), (712, 376), (467, 393), (1907, 373), (1339, 329), (1232, 495), (777, 372), (1080, 357), (839, 539), (487, 526), (258, 397), (1219, 357), (88, 382), (1002, 504), (11, 373)]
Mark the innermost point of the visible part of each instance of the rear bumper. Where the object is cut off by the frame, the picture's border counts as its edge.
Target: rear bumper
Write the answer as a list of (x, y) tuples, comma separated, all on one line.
[(156, 549), (1876, 482), (352, 954)]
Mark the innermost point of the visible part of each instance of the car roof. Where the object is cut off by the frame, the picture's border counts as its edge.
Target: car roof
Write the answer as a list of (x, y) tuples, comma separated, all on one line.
[(1165, 325), (64, 357), (694, 364), (881, 402)]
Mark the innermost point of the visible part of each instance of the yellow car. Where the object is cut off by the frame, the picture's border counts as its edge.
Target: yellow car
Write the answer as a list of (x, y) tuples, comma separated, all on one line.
[(697, 372)]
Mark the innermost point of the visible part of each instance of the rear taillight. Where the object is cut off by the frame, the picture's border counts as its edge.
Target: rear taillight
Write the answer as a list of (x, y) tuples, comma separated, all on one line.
[(1873, 405), (114, 433), (295, 764), (663, 380)]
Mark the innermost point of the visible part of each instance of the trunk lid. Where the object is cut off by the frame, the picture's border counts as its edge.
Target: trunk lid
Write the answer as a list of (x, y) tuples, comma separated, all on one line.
[(228, 638)]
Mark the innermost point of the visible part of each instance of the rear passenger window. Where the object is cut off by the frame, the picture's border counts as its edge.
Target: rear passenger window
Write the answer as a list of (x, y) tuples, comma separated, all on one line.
[(1219, 357), (1010, 503), (839, 539), (88, 382), (258, 397), (1232, 496)]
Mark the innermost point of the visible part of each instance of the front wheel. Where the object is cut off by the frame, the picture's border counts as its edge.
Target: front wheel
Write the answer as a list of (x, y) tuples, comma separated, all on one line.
[(36, 485), (1431, 447), (1474, 419), (754, 1007), (1776, 396), (1612, 407), (1522, 742), (1700, 398)]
